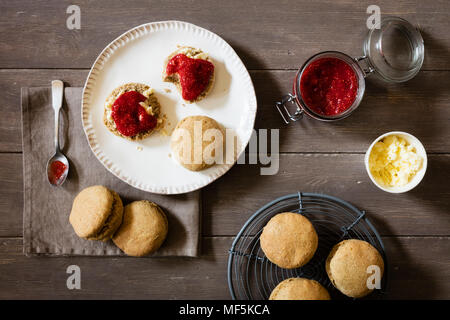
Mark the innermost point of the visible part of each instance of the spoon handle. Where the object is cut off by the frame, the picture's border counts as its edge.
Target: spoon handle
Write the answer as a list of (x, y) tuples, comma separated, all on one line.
[(57, 97)]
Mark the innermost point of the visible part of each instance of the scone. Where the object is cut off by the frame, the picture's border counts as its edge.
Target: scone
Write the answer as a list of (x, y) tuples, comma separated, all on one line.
[(132, 111), (143, 230), (96, 213), (192, 71), (299, 289), (198, 142), (347, 264), (289, 240)]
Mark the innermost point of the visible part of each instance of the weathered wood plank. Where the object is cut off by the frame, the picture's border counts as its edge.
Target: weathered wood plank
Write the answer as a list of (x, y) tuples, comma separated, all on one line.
[(419, 269), (229, 202), (266, 34), (269, 35), (168, 278), (419, 107), (10, 83)]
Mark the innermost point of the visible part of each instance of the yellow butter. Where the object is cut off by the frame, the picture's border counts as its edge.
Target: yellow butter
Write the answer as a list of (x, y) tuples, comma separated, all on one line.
[(393, 162)]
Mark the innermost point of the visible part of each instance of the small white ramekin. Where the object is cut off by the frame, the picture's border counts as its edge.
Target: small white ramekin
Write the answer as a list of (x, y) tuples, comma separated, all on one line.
[(420, 151)]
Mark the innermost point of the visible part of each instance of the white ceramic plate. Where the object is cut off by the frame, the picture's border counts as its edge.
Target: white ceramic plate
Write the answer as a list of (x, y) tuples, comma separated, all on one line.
[(138, 56)]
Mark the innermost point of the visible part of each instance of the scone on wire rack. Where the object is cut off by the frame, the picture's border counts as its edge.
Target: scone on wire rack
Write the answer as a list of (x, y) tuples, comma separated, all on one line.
[(289, 240), (192, 71), (132, 111), (299, 289), (347, 266)]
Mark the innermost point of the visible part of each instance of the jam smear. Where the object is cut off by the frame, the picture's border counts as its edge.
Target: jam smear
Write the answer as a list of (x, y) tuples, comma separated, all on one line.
[(194, 74), (329, 86), (129, 116), (57, 169)]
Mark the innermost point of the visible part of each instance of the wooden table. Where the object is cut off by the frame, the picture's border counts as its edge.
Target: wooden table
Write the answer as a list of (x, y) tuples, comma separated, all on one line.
[(273, 38)]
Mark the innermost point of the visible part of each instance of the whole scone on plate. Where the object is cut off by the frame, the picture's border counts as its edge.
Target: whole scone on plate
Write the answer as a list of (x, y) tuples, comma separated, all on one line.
[(143, 230), (299, 289), (289, 240), (132, 111), (96, 213), (195, 140), (347, 265), (192, 71)]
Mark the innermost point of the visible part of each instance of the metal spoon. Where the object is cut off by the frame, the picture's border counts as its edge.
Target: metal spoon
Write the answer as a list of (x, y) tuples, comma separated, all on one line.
[(57, 98)]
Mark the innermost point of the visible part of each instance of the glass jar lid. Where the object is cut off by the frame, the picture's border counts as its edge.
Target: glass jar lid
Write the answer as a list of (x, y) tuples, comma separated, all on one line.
[(394, 49)]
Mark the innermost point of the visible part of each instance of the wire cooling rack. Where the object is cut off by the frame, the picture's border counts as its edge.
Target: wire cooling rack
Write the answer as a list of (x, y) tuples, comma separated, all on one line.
[(251, 276)]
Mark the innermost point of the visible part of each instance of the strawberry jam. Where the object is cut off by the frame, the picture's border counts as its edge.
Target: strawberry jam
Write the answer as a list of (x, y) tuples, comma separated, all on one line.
[(57, 170), (329, 86), (129, 116), (194, 74)]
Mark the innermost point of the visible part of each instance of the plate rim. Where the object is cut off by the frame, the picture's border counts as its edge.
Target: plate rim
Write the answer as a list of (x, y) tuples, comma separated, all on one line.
[(86, 108)]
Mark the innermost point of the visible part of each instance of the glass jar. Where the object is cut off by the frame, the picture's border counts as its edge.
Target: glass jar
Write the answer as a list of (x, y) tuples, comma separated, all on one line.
[(393, 51)]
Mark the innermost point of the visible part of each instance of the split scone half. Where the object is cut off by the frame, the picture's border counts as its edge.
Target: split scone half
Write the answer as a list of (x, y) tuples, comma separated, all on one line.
[(192, 71), (132, 111)]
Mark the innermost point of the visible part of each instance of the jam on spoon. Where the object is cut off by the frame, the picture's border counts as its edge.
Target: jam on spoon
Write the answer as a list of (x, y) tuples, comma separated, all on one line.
[(56, 171)]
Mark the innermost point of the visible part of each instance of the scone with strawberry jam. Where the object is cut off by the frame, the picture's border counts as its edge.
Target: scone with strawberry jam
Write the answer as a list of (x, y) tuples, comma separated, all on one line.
[(192, 71), (132, 111)]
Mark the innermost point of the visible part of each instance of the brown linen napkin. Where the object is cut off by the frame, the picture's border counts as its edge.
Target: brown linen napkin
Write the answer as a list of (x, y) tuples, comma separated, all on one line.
[(46, 227)]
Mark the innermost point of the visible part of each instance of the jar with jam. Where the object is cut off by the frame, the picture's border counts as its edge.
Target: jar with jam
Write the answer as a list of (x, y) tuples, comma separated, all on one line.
[(330, 85)]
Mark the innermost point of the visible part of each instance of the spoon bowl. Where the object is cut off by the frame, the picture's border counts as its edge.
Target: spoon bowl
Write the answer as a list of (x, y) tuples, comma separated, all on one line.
[(56, 178)]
